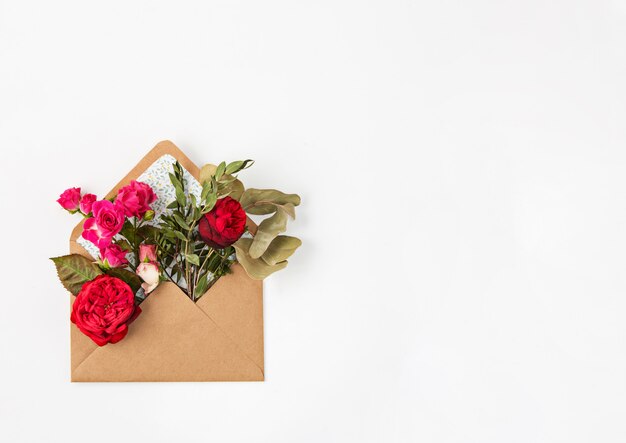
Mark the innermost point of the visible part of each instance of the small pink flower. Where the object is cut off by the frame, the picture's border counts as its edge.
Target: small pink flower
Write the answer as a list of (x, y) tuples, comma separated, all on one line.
[(149, 273), (86, 203), (113, 256), (109, 217), (147, 253), (135, 199), (94, 234), (106, 222), (70, 199)]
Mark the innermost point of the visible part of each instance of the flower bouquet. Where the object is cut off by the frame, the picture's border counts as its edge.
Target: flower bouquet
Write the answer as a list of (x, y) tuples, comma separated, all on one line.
[(171, 232)]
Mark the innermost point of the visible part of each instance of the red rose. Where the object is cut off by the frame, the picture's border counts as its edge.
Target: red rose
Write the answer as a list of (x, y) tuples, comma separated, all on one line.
[(104, 308), (224, 224)]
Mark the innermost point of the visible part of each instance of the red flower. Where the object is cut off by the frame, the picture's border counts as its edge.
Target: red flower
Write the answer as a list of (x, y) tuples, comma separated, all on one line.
[(104, 308), (224, 224), (135, 199)]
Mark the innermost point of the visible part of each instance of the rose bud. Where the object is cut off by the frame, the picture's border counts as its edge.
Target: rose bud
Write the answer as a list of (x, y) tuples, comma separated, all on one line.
[(149, 215), (147, 253), (86, 203), (113, 256), (104, 308), (224, 224), (135, 199), (70, 199), (149, 273)]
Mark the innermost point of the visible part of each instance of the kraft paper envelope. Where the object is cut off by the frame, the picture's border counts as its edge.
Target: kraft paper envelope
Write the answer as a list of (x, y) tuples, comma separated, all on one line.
[(218, 338)]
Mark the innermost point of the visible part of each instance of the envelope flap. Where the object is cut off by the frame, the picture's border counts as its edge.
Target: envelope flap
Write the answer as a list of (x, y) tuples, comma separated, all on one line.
[(235, 303)]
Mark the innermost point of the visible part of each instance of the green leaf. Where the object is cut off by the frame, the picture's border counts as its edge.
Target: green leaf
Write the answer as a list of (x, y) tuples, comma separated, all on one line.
[(265, 201), (180, 198), (177, 184), (220, 170), (128, 277), (210, 203), (128, 231), (206, 189), (237, 166), (193, 259), (266, 232), (147, 232), (173, 205), (202, 286), (255, 268), (280, 249), (179, 235), (74, 270), (180, 221)]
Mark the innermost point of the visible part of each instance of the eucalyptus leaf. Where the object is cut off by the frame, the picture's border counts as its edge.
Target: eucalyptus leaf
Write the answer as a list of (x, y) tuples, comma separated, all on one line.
[(233, 190), (265, 201), (255, 268), (206, 172), (281, 248), (74, 270), (267, 231)]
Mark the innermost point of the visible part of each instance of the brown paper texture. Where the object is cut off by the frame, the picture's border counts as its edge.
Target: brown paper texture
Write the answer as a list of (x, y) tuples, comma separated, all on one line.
[(218, 338)]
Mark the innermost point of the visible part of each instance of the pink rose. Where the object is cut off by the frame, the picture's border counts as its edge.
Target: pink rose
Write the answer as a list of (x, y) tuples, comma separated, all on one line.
[(149, 273), (147, 253), (106, 222), (113, 256), (86, 203), (135, 199), (70, 199)]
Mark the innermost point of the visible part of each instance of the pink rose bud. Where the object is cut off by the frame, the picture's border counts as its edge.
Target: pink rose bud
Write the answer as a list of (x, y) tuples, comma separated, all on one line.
[(149, 273), (147, 253), (113, 256), (86, 203), (70, 199)]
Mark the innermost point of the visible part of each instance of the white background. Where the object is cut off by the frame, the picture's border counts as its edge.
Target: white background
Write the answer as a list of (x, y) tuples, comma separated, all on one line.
[(462, 169)]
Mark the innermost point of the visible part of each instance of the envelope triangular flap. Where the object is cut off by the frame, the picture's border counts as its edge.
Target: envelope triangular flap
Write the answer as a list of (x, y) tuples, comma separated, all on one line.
[(225, 326)]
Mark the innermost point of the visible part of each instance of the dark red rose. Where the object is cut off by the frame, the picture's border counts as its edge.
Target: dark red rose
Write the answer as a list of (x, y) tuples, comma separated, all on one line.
[(224, 224), (104, 308)]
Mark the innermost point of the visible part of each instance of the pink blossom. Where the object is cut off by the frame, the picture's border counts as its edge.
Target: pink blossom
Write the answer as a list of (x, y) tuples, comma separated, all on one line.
[(135, 199), (86, 203), (113, 256), (147, 253), (106, 222), (70, 199), (149, 273), (94, 234)]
